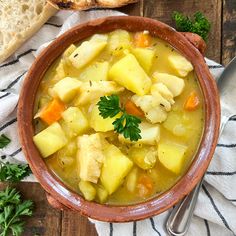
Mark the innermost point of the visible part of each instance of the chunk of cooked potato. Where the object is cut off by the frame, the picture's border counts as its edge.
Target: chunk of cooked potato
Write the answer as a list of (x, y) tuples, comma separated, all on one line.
[(180, 64), (88, 190), (115, 168), (171, 155), (145, 57), (128, 73), (75, 120), (95, 72), (173, 83), (98, 123), (67, 88), (50, 139), (92, 91)]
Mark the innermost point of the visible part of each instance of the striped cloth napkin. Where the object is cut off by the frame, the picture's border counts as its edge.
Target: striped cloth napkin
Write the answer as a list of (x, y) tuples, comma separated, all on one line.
[(215, 213)]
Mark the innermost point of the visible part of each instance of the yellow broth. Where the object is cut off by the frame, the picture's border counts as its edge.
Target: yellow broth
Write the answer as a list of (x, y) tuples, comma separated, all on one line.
[(162, 178)]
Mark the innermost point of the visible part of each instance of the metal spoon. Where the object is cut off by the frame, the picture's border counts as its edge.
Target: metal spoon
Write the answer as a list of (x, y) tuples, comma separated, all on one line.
[(180, 218)]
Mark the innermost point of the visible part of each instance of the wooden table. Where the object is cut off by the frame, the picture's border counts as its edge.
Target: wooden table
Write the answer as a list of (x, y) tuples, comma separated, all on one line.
[(47, 221)]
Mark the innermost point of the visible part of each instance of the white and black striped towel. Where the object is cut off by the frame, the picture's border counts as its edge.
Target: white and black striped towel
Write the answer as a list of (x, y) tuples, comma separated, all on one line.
[(215, 213)]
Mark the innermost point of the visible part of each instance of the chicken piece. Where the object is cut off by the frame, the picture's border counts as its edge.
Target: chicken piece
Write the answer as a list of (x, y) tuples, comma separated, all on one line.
[(92, 91), (164, 91), (155, 107), (90, 157)]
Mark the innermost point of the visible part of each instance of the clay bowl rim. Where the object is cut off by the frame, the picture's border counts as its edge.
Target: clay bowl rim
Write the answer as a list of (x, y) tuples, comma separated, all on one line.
[(186, 183)]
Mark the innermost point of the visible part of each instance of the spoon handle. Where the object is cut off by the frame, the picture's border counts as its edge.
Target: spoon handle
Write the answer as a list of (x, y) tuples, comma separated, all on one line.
[(180, 218)]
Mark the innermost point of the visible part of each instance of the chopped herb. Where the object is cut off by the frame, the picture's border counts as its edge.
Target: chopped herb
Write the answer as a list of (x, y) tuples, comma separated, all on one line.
[(12, 208), (128, 125), (13, 172), (76, 55), (198, 24), (4, 141)]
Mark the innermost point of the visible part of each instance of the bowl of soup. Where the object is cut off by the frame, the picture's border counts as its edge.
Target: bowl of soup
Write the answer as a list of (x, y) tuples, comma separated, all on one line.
[(119, 118)]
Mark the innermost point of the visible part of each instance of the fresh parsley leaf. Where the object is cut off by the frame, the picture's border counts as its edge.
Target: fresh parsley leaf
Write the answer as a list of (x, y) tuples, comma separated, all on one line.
[(109, 106), (13, 172), (198, 24), (12, 208), (128, 125), (4, 141)]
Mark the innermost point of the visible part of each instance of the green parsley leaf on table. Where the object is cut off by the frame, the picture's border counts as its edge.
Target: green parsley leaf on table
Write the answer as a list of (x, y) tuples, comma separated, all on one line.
[(4, 141), (13, 172), (198, 24), (128, 125), (12, 208)]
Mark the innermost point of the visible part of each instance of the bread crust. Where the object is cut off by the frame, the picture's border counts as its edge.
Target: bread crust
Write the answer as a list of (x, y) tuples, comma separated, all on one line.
[(48, 11), (88, 4)]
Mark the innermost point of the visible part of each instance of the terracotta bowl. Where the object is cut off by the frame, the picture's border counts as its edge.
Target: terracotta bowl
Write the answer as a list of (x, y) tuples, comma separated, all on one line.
[(59, 195)]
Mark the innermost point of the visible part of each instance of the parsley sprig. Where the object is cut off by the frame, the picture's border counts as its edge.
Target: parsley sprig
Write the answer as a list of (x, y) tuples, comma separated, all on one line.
[(128, 125), (12, 208), (4, 141), (198, 24), (13, 172)]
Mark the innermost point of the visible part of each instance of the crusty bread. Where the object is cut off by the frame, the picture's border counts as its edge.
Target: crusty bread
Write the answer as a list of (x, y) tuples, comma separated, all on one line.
[(87, 4), (19, 20)]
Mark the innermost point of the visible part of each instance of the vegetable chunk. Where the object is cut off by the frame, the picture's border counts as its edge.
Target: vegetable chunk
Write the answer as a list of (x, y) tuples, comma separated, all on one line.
[(118, 41), (92, 91), (88, 190), (52, 112), (172, 155), (181, 65), (90, 157), (98, 123), (95, 72), (115, 168), (88, 50), (50, 140), (145, 57), (173, 83), (128, 73), (67, 88), (75, 120)]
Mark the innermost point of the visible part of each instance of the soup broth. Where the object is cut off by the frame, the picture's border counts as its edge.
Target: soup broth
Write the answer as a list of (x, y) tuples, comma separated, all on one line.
[(153, 83)]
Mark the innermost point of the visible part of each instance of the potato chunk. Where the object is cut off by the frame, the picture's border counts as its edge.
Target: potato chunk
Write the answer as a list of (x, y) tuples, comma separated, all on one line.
[(150, 135), (102, 194), (144, 157), (90, 157), (128, 73), (50, 139), (96, 72), (75, 120), (98, 123), (173, 83), (88, 50), (115, 168), (67, 88), (145, 57), (172, 155), (92, 91), (88, 190), (118, 41), (181, 65)]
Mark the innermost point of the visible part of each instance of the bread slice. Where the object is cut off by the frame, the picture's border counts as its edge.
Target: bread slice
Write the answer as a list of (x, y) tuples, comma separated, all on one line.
[(87, 4), (19, 20)]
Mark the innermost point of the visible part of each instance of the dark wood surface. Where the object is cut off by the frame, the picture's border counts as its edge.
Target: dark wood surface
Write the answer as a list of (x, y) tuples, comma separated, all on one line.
[(47, 221)]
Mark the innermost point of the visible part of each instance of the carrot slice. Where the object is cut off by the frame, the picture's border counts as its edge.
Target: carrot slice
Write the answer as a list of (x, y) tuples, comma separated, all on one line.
[(192, 102), (52, 112), (142, 40), (132, 109), (145, 186)]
